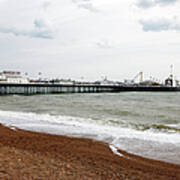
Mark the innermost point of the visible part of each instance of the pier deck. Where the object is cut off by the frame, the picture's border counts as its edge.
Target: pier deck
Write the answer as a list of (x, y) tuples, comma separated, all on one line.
[(30, 89)]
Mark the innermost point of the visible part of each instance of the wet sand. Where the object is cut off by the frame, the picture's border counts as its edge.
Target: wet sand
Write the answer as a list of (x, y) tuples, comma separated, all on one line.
[(30, 155)]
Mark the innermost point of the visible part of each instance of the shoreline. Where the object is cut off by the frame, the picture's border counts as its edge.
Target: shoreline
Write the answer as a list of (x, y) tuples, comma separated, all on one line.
[(32, 155)]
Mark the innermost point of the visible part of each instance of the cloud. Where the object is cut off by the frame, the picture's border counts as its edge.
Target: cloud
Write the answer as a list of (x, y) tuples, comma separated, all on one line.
[(44, 34), (152, 3), (86, 4), (40, 31), (161, 24), (145, 3), (46, 4), (39, 23), (165, 2), (104, 44)]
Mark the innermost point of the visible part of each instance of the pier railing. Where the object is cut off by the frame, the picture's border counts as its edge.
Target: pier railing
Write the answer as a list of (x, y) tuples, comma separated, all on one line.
[(30, 89), (52, 88)]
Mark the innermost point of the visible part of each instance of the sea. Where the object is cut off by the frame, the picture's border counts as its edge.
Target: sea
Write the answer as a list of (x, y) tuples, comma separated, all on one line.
[(143, 123)]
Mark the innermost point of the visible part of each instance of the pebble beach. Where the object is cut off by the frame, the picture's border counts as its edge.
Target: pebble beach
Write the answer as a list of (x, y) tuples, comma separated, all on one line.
[(31, 155)]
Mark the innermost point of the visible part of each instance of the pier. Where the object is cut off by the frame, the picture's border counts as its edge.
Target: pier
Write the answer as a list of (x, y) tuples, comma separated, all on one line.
[(30, 89)]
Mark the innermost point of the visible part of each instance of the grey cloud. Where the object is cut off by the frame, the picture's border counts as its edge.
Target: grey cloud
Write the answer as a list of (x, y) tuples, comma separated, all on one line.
[(44, 34), (145, 3), (46, 4), (88, 6), (165, 2), (151, 3), (85, 4), (40, 30), (39, 23), (36, 33), (161, 24), (104, 44)]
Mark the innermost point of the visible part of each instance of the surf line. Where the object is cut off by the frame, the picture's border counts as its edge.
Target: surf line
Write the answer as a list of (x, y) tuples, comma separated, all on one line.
[(115, 150)]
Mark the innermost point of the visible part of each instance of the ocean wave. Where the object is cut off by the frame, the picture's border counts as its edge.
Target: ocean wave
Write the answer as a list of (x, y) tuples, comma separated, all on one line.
[(84, 127), (167, 128)]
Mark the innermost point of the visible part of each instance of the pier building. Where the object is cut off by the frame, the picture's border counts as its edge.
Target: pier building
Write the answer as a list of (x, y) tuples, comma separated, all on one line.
[(12, 77)]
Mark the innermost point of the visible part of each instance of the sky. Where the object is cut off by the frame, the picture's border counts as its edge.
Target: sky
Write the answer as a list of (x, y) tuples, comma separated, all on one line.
[(90, 39)]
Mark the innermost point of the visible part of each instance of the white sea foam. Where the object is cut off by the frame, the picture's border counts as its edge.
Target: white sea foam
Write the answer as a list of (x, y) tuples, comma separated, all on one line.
[(115, 150), (67, 125), (153, 144)]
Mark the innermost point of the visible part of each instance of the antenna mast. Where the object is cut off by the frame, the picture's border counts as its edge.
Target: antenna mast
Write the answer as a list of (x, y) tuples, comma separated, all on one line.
[(171, 71)]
